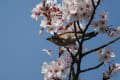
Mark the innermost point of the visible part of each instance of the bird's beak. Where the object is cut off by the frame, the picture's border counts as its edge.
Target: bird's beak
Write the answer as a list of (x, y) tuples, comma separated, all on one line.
[(48, 39)]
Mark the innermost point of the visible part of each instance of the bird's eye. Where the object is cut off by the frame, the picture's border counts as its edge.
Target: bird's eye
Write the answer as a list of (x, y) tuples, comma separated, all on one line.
[(55, 37)]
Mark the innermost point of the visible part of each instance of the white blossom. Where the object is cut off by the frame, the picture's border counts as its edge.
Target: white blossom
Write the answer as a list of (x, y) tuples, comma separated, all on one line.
[(45, 68), (105, 55), (52, 30), (118, 30), (103, 16), (48, 51), (57, 69), (35, 14), (116, 69), (44, 23), (112, 34), (41, 31)]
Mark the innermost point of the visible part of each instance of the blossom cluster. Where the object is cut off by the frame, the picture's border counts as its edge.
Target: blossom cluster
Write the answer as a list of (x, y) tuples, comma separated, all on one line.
[(57, 70), (60, 68), (101, 25), (59, 17), (116, 68), (105, 55)]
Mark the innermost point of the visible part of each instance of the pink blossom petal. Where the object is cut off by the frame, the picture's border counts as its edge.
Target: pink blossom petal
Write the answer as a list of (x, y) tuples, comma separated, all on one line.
[(47, 51)]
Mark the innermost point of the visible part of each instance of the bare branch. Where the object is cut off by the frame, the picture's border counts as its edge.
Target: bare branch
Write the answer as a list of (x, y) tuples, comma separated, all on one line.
[(93, 3), (105, 45), (70, 52), (79, 26), (76, 33), (72, 72), (92, 68)]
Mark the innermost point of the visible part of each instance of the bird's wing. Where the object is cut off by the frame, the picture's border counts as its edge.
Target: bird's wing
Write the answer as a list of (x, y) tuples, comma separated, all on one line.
[(72, 35)]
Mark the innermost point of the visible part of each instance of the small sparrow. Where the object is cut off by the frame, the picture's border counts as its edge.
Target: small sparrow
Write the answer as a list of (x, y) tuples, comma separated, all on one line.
[(69, 38)]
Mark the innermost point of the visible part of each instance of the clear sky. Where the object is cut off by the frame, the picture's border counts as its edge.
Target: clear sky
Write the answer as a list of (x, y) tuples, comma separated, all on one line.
[(20, 45)]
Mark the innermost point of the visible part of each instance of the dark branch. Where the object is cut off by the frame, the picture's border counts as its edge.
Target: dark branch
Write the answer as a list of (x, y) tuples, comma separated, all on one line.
[(71, 71), (92, 68), (93, 3), (76, 33), (81, 43), (79, 26), (69, 52), (105, 45)]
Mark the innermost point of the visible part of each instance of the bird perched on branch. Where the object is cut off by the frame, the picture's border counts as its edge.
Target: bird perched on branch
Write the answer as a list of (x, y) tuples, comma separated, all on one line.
[(69, 38)]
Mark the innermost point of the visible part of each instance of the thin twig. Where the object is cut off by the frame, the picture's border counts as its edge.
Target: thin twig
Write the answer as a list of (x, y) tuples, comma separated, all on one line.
[(105, 45), (69, 52), (92, 68), (71, 71), (79, 26)]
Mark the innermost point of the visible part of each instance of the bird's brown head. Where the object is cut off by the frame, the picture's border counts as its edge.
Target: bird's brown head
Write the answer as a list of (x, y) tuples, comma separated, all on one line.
[(52, 39)]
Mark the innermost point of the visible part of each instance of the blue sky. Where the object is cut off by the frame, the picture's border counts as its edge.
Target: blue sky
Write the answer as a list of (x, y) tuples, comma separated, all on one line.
[(20, 45)]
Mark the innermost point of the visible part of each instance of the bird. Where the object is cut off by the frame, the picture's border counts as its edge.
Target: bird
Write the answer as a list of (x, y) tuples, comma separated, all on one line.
[(69, 38)]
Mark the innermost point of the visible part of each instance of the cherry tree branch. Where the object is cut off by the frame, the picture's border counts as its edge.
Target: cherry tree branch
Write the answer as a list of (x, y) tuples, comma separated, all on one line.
[(79, 27), (91, 19), (70, 52), (81, 43), (105, 45), (92, 68), (76, 33), (72, 72)]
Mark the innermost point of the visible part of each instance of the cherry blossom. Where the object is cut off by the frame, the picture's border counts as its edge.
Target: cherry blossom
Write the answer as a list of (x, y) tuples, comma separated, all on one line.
[(101, 24), (117, 68), (35, 13), (118, 30), (47, 51), (105, 55), (103, 16), (112, 34), (57, 69), (41, 31)]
